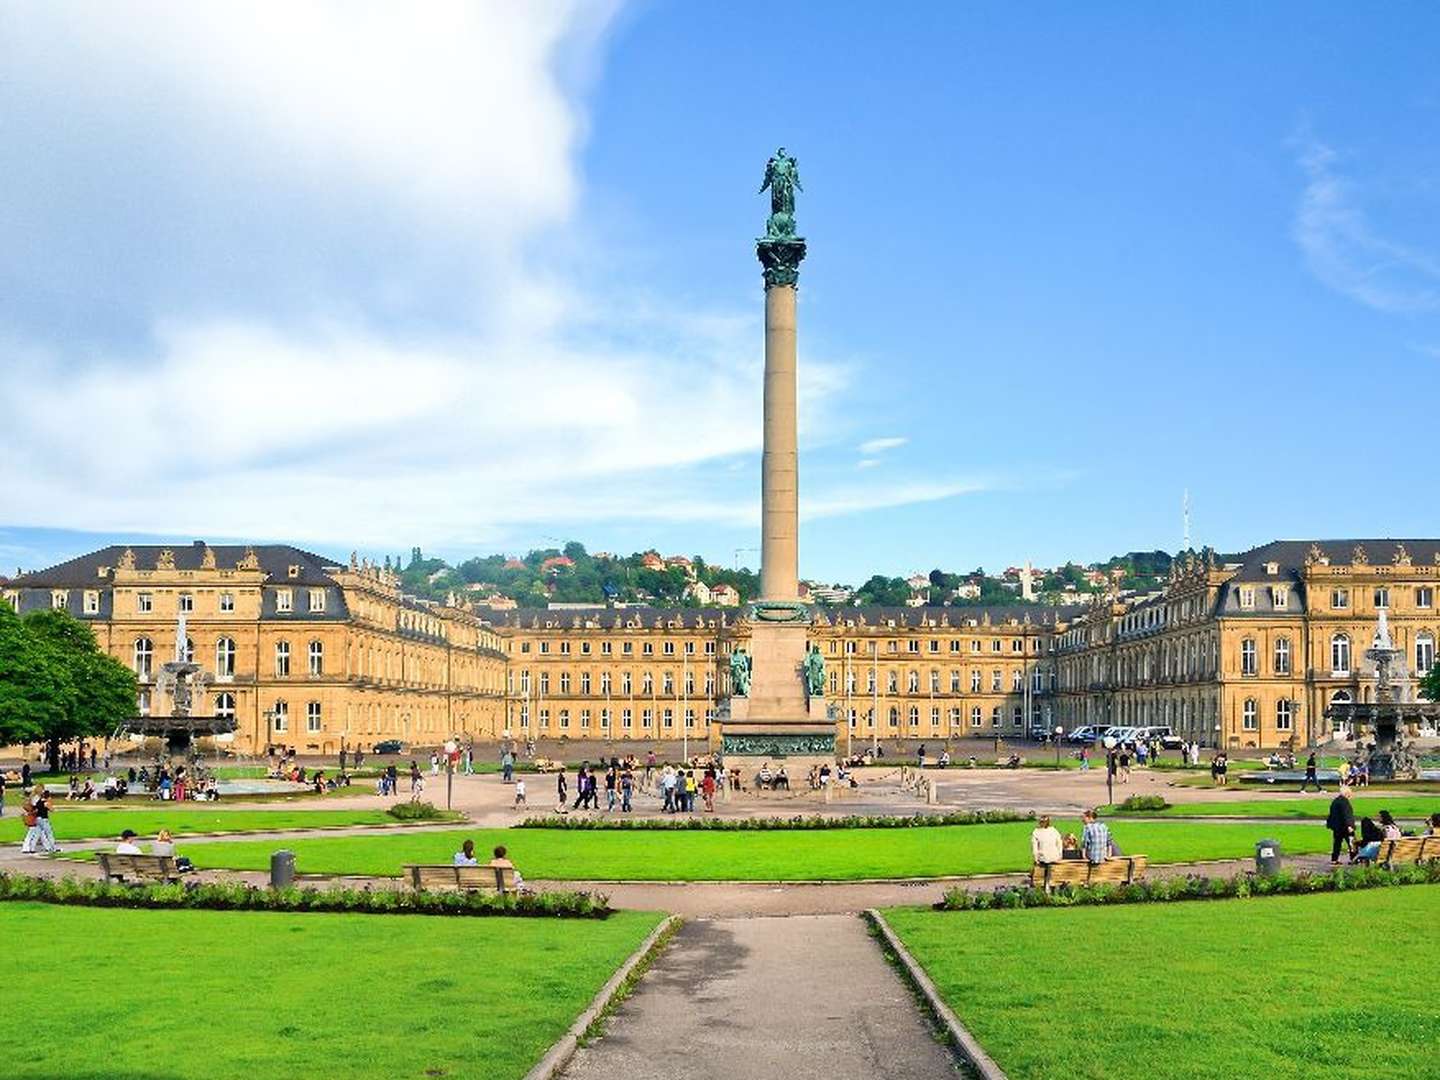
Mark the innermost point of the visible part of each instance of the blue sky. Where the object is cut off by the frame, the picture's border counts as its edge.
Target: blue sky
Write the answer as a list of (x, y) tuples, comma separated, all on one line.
[(357, 277)]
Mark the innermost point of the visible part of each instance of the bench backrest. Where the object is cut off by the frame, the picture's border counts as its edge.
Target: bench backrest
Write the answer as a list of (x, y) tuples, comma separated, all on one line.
[(1124, 869), (144, 866), (469, 878), (1410, 849)]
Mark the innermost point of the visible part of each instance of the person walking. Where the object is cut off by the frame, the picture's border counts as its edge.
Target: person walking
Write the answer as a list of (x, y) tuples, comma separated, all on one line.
[(507, 767), (612, 781), (415, 777), (1341, 823), (649, 771), (520, 794), (45, 833), (1310, 774), (627, 788), (562, 792), (580, 780), (1084, 759), (32, 825)]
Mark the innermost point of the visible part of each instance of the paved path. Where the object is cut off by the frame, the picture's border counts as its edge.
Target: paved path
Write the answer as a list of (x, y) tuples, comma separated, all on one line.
[(756, 999)]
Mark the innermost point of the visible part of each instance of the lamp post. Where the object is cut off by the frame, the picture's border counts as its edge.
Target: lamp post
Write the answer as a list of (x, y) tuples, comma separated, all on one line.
[(449, 770), (1110, 742), (1059, 731)]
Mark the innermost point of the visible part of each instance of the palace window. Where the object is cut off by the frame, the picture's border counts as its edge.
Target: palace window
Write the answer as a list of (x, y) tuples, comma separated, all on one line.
[(1249, 718), (317, 658), (1340, 654), (995, 645), (975, 678), (544, 647), (1424, 653), (1282, 656), (144, 655), (1279, 597), (225, 706), (667, 718), (1339, 599), (605, 719), (647, 683), (544, 682), (934, 682), (524, 715), (627, 719), (667, 683), (669, 648), (1017, 681), (1424, 597), (995, 716), (142, 703), (1283, 715), (564, 718), (892, 682), (584, 648), (1382, 597), (188, 654), (914, 716), (317, 600), (1247, 656), (934, 716), (689, 718), (912, 682), (647, 718), (955, 681), (284, 600), (606, 648), (996, 678), (312, 716), (544, 716), (227, 601), (564, 682), (282, 659), (92, 602), (564, 648), (1247, 597), (604, 683), (690, 648), (280, 716), (585, 719), (974, 644), (894, 717), (59, 598), (225, 658), (627, 648), (975, 716), (144, 602), (524, 681), (625, 685), (1017, 645), (647, 649)]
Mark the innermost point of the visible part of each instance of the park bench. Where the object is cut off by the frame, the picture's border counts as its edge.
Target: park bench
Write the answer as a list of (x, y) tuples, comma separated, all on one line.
[(1409, 849), (134, 869), (443, 876), (1122, 870)]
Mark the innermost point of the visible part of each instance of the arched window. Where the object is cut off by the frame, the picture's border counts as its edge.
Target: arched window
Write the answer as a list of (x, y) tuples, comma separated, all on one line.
[(1282, 656), (144, 656), (894, 716), (995, 716), (282, 659), (1340, 654), (317, 658), (1424, 652), (225, 706), (225, 657), (1249, 717), (914, 716), (892, 682)]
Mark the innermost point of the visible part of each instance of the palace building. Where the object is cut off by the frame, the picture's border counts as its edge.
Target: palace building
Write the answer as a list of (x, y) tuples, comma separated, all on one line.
[(1250, 650), (305, 651)]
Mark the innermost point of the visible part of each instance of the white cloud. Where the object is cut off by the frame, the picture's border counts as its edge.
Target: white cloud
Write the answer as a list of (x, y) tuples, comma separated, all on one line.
[(1344, 251), (280, 278), (871, 447)]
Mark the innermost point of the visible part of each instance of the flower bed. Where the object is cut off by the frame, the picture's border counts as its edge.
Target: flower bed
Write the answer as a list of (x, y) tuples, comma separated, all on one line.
[(766, 824)]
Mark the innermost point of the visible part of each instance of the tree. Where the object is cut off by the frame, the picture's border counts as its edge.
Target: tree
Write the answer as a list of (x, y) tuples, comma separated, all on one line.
[(887, 592), (1430, 684), (34, 693), (101, 690)]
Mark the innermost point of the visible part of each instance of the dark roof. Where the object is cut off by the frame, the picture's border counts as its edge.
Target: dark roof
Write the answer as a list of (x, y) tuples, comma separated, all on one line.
[(275, 560), (698, 618), (1290, 555)]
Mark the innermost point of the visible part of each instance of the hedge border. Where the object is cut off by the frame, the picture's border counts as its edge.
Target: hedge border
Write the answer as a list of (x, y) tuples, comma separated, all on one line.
[(1190, 887), (798, 822), (222, 896)]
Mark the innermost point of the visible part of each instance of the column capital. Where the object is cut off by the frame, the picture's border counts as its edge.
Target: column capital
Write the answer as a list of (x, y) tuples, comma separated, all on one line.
[(780, 257)]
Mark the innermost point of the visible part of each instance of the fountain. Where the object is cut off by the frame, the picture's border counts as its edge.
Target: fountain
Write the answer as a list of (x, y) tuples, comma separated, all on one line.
[(183, 681), (1390, 756)]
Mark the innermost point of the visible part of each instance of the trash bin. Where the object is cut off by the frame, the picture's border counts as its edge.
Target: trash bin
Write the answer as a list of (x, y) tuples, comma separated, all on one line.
[(1267, 857), (282, 869)]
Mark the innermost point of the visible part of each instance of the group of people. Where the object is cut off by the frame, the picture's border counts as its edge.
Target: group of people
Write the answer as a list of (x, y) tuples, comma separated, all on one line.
[(1362, 843), (1094, 844), (500, 861)]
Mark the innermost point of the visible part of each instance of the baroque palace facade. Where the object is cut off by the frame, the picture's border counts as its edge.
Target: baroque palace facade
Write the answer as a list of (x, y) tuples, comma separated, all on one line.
[(311, 653), (303, 651), (1250, 650)]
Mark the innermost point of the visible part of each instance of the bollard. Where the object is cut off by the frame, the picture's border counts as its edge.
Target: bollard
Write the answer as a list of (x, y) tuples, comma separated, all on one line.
[(1267, 857), (282, 869)]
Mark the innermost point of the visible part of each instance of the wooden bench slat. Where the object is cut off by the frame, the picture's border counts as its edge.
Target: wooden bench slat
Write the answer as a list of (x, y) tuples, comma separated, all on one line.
[(442, 876), (1408, 849), (1123, 869), (118, 867)]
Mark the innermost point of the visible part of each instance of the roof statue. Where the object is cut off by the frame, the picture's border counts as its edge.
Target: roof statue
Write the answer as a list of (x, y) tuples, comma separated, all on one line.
[(165, 560), (207, 560), (127, 560), (1358, 557), (250, 561), (780, 250), (1402, 557)]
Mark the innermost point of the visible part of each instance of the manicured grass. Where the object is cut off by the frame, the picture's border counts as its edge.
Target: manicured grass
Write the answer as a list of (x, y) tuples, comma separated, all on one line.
[(796, 855), (1405, 806), (242, 995), (182, 818), (1232, 988)]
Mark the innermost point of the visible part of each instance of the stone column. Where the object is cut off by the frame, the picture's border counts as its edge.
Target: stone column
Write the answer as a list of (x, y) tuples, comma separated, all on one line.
[(779, 479)]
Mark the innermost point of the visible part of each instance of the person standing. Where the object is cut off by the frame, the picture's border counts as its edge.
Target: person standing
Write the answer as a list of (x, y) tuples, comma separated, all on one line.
[(1084, 759), (520, 794), (1047, 847), (1095, 840), (1341, 823), (562, 791), (415, 777), (612, 781), (649, 770), (1310, 774), (707, 787), (32, 825), (507, 767), (627, 788), (580, 778)]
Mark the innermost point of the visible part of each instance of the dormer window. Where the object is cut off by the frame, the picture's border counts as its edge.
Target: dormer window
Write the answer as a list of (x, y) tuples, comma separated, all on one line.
[(293, 570), (1272, 568), (317, 600), (59, 598), (1280, 597), (1247, 597), (92, 602), (284, 600)]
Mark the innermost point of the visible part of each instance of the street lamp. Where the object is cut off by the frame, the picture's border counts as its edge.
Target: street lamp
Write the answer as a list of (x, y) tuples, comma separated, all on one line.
[(1110, 742), (1059, 731), (449, 770)]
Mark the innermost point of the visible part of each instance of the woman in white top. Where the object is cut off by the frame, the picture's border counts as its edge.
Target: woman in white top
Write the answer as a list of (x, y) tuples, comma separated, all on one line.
[(1045, 843)]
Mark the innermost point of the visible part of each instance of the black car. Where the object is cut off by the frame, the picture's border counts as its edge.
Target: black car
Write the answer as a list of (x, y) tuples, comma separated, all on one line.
[(389, 746)]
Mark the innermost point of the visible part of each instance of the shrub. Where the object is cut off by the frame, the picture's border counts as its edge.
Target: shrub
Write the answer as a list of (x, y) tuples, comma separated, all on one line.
[(414, 811), (1144, 802), (799, 821), (242, 897), (1192, 887)]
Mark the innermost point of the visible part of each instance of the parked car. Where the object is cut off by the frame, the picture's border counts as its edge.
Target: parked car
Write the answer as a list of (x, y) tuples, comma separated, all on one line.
[(1087, 734), (389, 746)]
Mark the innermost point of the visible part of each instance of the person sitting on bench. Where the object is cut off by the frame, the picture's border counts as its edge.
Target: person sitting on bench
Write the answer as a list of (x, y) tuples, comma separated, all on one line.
[(127, 844), (500, 862), (781, 779), (466, 855)]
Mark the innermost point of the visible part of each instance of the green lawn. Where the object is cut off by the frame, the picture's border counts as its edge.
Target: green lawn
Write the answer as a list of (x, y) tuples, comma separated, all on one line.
[(780, 855), (181, 818), (1414, 807), (1232, 988), (243, 995)]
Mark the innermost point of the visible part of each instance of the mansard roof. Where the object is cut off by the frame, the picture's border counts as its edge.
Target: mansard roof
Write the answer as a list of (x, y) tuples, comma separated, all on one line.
[(275, 560)]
